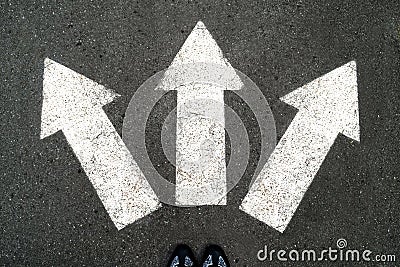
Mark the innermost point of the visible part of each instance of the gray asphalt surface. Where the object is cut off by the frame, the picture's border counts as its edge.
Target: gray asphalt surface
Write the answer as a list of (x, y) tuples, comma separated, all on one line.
[(50, 214)]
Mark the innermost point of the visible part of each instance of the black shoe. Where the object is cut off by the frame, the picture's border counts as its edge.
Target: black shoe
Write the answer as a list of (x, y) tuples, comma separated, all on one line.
[(214, 256), (182, 257)]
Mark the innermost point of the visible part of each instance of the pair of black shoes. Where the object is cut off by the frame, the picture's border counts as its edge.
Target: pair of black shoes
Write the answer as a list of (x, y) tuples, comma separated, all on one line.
[(213, 256)]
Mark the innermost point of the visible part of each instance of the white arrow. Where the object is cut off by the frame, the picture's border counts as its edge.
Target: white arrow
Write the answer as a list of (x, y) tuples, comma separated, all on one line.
[(327, 106), (202, 73), (73, 103)]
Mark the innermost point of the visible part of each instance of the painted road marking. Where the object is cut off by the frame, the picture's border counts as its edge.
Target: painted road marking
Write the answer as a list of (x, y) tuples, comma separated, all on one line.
[(73, 104), (200, 73), (327, 106)]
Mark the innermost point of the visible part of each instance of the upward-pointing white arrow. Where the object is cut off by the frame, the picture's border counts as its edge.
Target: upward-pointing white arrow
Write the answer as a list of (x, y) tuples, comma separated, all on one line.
[(327, 106), (200, 73), (73, 103)]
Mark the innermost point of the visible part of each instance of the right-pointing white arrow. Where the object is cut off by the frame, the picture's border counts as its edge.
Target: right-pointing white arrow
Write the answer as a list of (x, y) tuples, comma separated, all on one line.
[(327, 106)]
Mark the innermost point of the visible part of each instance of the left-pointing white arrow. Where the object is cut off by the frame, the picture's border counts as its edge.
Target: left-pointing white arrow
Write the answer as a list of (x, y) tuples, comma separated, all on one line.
[(73, 103)]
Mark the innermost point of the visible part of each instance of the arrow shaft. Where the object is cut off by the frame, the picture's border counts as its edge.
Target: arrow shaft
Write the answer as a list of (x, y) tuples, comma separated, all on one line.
[(200, 146), (279, 188), (121, 186)]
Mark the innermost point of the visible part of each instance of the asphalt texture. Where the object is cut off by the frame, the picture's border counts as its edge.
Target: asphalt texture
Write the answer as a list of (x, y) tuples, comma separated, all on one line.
[(50, 214)]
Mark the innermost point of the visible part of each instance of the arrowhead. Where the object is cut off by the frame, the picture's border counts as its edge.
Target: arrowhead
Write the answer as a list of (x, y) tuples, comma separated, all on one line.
[(331, 98), (200, 60), (66, 94)]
